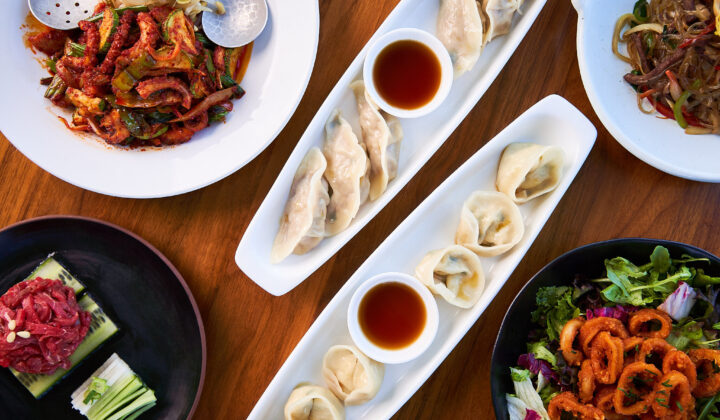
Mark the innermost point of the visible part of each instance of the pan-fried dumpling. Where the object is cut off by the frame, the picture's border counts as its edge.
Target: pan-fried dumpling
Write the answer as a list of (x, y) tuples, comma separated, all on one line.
[(460, 29), (347, 165), (499, 14), (351, 376), (381, 134), (312, 402), (455, 273), (303, 222), (528, 170), (490, 224)]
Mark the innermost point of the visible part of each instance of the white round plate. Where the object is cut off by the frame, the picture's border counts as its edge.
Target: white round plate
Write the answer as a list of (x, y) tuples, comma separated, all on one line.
[(279, 71), (659, 142)]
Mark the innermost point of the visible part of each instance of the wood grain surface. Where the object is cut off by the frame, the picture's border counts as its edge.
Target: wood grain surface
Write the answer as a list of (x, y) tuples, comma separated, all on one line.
[(250, 333)]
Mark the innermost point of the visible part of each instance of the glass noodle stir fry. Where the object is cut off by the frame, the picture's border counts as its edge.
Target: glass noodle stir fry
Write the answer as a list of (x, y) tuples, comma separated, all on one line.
[(674, 49), (141, 75), (641, 343)]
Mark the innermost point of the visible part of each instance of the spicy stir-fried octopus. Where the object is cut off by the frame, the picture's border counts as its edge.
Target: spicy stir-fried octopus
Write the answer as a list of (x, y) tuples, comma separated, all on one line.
[(141, 78)]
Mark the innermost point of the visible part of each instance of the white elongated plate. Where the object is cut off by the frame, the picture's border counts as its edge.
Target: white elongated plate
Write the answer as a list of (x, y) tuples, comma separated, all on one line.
[(279, 71), (423, 136), (552, 121), (660, 143)]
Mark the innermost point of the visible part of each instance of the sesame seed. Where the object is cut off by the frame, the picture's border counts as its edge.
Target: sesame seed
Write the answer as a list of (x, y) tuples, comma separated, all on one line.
[(11, 337), (24, 334), (11, 324)]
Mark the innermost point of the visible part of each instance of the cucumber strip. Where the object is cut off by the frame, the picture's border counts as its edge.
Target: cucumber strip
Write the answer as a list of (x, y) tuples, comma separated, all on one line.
[(51, 269), (101, 329), (143, 409), (109, 24), (138, 406), (127, 397)]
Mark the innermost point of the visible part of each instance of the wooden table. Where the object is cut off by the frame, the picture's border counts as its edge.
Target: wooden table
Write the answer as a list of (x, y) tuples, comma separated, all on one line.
[(250, 333)]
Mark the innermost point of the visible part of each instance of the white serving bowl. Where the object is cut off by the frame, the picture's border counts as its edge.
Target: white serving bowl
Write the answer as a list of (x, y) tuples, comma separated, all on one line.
[(411, 351), (282, 60), (430, 41), (658, 142)]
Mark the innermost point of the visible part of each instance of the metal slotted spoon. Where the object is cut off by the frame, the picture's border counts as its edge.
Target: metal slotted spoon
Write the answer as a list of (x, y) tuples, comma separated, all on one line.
[(241, 22), (62, 14), (233, 23)]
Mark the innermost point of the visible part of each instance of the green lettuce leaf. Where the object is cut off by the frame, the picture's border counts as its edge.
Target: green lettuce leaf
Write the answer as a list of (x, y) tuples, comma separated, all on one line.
[(554, 308), (540, 351)]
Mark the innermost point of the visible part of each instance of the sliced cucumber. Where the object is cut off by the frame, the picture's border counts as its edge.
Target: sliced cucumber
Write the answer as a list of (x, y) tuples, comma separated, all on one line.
[(101, 329), (108, 26), (178, 31), (51, 269)]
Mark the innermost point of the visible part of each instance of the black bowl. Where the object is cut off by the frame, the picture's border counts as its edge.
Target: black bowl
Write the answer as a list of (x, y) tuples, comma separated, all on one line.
[(588, 260), (161, 332)]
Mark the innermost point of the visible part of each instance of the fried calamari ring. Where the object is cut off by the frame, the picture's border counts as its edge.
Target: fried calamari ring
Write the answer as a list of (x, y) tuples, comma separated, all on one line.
[(586, 381), (631, 349), (606, 355), (635, 388), (568, 403), (650, 323), (679, 361), (572, 355), (592, 327), (604, 399), (707, 363), (653, 350), (673, 399)]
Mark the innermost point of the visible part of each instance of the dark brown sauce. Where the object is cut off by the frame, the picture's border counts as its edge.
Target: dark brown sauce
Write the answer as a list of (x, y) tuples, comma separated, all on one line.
[(407, 74), (392, 315)]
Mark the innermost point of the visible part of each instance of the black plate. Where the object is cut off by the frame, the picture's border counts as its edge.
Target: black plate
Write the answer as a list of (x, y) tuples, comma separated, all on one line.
[(588, 260), (161, 334)]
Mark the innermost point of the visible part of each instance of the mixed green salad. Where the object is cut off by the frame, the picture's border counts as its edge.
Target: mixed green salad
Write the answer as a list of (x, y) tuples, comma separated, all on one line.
[(679, 287)]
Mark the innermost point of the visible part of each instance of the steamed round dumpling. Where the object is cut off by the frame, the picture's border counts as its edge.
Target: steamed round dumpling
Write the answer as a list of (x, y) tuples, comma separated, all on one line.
[(528, 170), (302, 225), (490, 224), (455, 273), (312, 402), (351, 375)]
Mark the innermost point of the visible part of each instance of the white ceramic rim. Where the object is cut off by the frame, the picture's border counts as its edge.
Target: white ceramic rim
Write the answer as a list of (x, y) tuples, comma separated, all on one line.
[(425, 38), (404, 354)]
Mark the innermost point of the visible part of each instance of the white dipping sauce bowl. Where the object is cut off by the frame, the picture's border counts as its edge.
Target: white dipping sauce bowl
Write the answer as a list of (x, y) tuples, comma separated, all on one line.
[(430, 41), (411, 351)]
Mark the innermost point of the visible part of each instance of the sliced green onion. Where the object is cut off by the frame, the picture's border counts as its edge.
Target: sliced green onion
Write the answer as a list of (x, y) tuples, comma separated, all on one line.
[(119, 11), (77, 50)]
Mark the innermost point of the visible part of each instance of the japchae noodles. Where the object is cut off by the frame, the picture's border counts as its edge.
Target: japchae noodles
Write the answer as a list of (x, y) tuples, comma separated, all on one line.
[(674, 49)]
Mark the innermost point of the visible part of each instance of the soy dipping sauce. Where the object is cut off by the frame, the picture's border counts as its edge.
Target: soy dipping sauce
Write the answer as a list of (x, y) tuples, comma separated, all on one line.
[(407, 74), (392, 315)]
